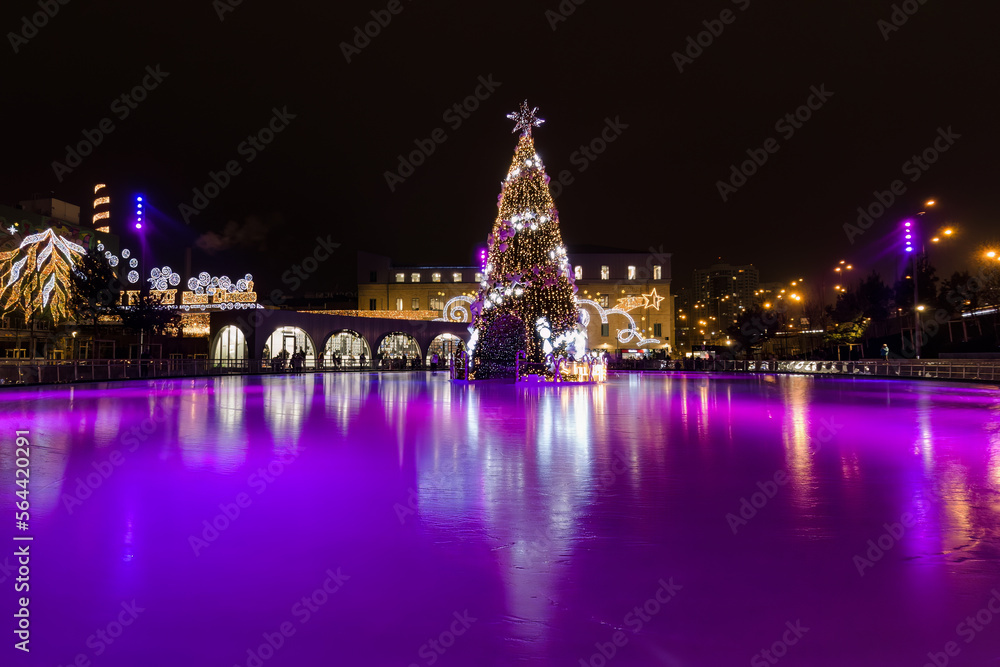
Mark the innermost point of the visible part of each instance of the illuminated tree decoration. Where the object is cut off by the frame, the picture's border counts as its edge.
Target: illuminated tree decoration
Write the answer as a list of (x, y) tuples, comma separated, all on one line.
[(526, 299), (36, 278)]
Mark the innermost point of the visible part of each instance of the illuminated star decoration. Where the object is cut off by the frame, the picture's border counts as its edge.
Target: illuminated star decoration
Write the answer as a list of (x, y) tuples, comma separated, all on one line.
[(653, 300), (12, 229), (525, 119)]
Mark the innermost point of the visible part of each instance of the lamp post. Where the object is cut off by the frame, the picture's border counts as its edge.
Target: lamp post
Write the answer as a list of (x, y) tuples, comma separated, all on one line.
[(909, 231), (142, 260)]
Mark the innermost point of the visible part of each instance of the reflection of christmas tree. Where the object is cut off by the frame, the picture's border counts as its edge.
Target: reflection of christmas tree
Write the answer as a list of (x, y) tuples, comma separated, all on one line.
[(36, 278), (526, 301)]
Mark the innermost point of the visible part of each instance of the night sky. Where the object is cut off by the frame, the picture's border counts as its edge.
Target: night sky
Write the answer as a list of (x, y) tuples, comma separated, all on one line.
[(888, 92)]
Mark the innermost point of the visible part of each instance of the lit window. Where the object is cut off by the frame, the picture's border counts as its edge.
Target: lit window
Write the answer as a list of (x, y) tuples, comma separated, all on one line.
[(457, 276), (414, 277), (415, 302), (436, 303), (435, 277), (657, 272), (479, 277), (399, 304), (631, 273), (605, 273), (578, 273), (603, 300), (400, 277)]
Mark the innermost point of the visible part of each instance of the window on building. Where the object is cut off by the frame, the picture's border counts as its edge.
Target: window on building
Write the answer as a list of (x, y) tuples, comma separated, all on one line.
[(605, 273), (657, 329), (605, 330), (415, 303), (400, 277), (372, 304), (373, 276), (657, 272), (399, 304), (603, 300), (414, 277), (457, 276), (578, 273), (479, 277), (631, 273), (436, 303), (435, 277)]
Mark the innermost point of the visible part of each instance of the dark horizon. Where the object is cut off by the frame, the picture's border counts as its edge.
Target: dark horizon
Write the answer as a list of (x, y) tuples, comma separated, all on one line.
[(673, 126)]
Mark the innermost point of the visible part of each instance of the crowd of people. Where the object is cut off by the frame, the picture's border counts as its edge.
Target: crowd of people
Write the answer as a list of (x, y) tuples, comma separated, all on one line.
[(296, 361)]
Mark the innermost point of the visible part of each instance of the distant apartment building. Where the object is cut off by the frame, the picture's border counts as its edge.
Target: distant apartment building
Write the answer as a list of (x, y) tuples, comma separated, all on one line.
[(724, 291)]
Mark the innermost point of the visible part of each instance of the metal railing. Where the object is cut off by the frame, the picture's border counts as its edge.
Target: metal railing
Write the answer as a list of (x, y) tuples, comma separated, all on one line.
[(47, 371), (987, 370)]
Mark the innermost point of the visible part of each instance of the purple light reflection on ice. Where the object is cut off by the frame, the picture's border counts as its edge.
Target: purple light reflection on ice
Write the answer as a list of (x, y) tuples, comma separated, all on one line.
[(548, 514)]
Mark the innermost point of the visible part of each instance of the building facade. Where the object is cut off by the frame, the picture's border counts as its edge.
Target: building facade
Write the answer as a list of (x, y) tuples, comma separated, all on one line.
[(621, 291)]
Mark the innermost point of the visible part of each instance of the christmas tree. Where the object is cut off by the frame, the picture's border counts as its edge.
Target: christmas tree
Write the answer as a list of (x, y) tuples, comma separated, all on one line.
[(526, 300)]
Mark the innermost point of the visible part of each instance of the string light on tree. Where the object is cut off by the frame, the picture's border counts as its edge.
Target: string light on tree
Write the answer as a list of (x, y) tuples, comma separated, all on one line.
[(526, 297)]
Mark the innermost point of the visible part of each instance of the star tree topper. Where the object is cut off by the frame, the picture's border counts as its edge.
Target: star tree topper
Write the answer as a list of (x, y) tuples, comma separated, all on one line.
[(525, 119)]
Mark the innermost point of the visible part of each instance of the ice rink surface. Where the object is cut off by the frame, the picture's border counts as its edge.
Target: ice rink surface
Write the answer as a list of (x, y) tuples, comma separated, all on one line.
[(400, 519)]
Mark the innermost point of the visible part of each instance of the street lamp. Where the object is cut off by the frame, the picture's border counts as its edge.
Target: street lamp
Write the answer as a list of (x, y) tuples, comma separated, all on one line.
[(909, 232), (139, 201)]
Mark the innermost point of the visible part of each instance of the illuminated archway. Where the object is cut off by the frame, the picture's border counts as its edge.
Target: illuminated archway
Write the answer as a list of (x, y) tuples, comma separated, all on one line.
[(446, 346), (346, 347), (398, 346), (230, 346), (286, 341)]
